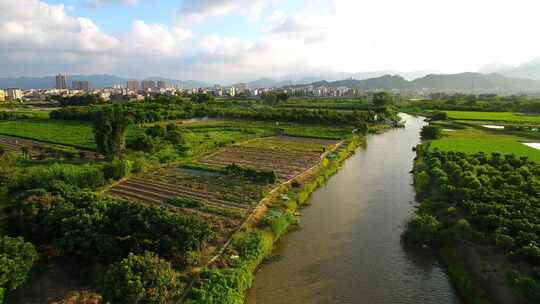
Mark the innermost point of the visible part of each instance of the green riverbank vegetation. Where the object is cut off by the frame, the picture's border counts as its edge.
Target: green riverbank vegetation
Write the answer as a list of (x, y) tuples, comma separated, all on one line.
[(480, 213)]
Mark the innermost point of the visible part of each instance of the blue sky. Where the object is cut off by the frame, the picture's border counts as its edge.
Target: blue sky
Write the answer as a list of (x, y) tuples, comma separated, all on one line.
[(240, 40)]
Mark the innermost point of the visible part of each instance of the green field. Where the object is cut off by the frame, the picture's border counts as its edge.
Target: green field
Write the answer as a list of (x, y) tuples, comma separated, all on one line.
[(492, 116), (72, 133), (473, 141)]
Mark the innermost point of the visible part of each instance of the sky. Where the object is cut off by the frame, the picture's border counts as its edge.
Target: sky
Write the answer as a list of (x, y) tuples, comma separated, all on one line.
[(225, 41)]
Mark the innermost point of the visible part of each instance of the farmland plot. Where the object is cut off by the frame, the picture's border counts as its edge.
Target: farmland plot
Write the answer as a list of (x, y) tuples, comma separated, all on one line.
[(287, 156), (223, 200), (37, 148)]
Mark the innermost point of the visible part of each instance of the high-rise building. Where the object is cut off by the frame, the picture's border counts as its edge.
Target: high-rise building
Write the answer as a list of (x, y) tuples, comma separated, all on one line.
[(133, 85), (232, 91), (61, 83), (161, 84), (14, 94), (2, 95), (148, 85), (80, 85)]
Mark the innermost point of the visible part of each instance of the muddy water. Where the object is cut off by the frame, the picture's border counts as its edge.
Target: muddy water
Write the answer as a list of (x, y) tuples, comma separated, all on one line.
[(348, 247)]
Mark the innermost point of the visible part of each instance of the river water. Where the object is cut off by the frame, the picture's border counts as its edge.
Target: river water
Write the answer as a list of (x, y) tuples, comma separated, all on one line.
[(348, 248)]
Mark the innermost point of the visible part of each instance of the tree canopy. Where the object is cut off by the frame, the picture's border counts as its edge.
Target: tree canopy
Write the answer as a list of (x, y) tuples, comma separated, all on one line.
[(110, 127), (141, 279)]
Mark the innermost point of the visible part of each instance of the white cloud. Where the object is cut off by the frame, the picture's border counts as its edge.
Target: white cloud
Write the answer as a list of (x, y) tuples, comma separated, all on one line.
[(194, 11), (101, 3), (33, 31), (334, 35)]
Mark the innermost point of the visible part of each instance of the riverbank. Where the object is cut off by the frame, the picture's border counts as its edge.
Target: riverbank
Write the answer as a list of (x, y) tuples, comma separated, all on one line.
[(229, 276), (347, 248)]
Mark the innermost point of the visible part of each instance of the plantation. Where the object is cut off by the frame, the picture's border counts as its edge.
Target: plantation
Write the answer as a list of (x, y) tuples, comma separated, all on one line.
[(484, 202)]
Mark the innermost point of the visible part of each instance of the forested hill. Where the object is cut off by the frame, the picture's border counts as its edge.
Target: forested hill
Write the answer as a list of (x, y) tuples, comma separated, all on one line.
[(463, 82)]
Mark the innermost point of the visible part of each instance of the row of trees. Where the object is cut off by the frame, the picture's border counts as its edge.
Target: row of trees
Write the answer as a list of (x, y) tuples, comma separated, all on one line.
[(160, 111), (79, 100)]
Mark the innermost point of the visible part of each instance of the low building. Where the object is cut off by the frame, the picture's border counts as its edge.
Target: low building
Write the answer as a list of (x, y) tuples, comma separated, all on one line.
[(14, 94), (2, 96)]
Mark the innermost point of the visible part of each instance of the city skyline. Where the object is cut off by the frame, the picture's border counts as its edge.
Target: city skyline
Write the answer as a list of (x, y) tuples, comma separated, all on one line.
[(234, 41)]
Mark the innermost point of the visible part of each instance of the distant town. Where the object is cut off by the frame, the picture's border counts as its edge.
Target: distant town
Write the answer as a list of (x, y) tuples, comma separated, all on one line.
[(141, 89)]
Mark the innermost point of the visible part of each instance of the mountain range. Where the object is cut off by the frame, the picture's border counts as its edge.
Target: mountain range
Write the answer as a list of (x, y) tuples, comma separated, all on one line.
[(530, 69), (462, 82)]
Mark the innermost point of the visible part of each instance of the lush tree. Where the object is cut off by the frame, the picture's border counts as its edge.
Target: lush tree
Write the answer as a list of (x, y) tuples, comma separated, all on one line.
[(382, 99), (79, 100), (269, 98), (110, 128), (422, 230), (141, 279), (431, 132), (362, 128), (202, 98), (438, 115), (282, 97), (16, 260)]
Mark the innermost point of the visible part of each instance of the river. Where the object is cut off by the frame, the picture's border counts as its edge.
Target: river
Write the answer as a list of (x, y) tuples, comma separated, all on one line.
[(348, 248)]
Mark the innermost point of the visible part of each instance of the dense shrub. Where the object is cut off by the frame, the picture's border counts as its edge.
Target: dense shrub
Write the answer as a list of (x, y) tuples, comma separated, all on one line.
[(438, 115), (16, 259), (117, 169), (79, 100), (422, 229), (141, 279), (431, 132), (258, 176), (85, 176), (143, 142), (107, 231)]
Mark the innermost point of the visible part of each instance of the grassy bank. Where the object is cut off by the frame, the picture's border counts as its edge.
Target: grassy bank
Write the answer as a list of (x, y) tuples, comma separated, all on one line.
[(227, 279)]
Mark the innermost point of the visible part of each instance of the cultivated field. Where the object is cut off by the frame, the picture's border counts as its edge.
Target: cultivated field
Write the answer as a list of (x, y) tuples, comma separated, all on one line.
[(37, 148), (222, 200), (493, 116), (71, 133), (287, 156), (471, 140)]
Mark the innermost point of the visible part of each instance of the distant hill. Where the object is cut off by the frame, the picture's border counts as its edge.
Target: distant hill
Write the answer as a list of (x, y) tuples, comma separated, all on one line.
[(529, 69), (96, 81), (463, 82)]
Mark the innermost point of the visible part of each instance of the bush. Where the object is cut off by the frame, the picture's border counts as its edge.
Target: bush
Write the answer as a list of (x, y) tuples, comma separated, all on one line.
[(117, 169), (439, 115), (431, 132), (258, 176), (422, 229), (527, 286), (16, 260), (141, 279), (86, 176), (143, 142)]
